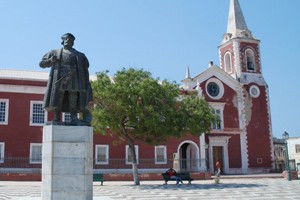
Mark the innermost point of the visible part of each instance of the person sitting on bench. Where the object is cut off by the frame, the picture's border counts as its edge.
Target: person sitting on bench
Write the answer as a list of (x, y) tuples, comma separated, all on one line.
[(172, 174)]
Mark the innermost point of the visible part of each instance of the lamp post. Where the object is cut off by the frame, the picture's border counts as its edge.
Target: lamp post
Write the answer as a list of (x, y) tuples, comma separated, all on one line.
[(285, 136)]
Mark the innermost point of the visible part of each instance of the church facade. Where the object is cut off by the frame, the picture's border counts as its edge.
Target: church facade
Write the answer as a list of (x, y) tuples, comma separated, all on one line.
[(239, 94), (236, 90)]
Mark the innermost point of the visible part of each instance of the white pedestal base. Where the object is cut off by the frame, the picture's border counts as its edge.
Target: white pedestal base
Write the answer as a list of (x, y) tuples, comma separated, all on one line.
[(67, 168)]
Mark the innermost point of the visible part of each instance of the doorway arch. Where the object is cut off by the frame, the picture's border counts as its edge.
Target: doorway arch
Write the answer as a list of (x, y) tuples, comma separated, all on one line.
[(188, 152)]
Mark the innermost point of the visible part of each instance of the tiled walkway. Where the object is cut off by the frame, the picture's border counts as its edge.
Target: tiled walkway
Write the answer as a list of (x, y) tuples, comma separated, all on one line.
[(233, 188)]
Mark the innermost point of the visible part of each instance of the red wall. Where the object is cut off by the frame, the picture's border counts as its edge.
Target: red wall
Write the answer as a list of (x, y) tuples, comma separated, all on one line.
[(258, 131), (18, 134), (234, 151), (23, 82), (146, 151)]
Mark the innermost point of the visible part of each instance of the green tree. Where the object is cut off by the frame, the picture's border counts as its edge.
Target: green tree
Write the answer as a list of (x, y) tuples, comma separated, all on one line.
[(134, 106)]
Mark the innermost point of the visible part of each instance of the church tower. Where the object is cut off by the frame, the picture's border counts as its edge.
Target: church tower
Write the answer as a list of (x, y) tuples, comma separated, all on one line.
[(239, 50), (239, 54)]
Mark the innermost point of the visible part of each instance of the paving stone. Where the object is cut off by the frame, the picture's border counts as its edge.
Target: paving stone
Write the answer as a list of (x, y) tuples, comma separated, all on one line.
[(228, 189)]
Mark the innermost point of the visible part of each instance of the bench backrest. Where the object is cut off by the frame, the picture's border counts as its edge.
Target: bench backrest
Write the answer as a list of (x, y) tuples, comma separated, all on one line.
[(183, 175), (97, 176)]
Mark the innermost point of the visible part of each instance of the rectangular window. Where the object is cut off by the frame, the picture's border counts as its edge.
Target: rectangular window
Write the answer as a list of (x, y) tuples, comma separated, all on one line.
[(38, 116), (218, 124), (36, 153), (102, 154), (297, 147), (160, 154), (129, 154), (1, 152), (66, 117), (217, 110), (4, 111)]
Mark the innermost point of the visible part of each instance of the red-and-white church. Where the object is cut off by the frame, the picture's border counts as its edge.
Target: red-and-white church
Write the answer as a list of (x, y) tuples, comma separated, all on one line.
[(241, 142)]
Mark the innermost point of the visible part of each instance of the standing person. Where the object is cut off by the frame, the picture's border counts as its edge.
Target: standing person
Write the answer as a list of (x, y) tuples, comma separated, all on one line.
[(68, 88), (172, 174), (218, 168)]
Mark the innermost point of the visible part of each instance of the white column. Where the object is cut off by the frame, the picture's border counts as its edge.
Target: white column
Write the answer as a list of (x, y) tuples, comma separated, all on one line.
[(202, 153), (244, 152), (243, 133)]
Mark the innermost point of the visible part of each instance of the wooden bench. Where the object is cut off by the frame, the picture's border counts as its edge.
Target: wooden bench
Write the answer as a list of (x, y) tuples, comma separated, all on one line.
[(184, 176), (98, 178)]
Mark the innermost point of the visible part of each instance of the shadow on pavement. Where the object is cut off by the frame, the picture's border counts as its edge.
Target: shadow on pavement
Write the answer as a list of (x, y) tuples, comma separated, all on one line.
[(198, 186)]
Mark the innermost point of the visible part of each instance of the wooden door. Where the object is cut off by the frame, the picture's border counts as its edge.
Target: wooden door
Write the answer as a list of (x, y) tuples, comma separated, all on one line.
[(218, 157)]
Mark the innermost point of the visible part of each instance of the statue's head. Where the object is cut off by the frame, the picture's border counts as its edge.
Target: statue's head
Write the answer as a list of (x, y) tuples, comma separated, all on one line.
[(68, 39)]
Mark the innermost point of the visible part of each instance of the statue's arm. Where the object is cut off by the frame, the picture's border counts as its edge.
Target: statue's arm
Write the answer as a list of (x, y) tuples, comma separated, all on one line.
[(48, 60)]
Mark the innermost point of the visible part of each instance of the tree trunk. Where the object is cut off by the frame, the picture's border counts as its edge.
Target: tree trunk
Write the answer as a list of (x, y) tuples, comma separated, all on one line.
[(134, 163)]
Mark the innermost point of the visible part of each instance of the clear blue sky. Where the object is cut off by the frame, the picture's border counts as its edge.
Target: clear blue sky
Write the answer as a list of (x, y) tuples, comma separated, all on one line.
[(161, 36)]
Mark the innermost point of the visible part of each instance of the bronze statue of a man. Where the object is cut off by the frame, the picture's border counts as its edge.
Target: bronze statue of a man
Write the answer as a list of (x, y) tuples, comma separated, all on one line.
[(68, 89)]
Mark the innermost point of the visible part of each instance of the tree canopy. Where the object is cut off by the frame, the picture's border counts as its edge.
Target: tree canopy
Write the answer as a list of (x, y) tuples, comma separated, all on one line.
[(135, 106), (150, 109)]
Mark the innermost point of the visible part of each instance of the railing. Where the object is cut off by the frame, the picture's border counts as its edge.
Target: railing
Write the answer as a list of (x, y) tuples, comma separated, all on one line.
[(19, 165), (122, 163), (25, 165)]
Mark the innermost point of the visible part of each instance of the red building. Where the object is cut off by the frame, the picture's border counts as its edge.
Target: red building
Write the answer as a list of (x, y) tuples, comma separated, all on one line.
[(241, 142)]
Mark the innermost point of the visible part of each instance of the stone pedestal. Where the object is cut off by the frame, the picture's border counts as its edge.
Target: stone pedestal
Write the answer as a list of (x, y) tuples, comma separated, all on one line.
[(67, 169)]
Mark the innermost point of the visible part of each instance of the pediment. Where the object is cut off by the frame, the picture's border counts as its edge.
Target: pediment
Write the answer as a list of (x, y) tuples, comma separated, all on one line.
[(216, 72)]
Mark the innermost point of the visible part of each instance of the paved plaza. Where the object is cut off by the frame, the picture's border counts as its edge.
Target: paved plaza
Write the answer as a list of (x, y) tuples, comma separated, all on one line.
[(233, 188)]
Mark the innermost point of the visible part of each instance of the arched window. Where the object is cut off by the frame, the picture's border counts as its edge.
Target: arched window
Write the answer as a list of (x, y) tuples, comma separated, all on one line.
[(250, 61), (227, 61)]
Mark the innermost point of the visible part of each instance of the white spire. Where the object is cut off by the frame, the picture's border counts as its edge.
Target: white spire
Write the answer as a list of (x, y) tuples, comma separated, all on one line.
[(236, 26), (236, 19), (187, 82), (187, 75)]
